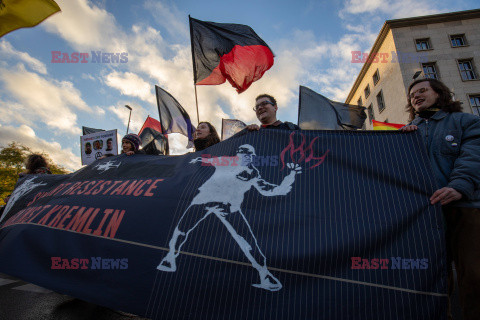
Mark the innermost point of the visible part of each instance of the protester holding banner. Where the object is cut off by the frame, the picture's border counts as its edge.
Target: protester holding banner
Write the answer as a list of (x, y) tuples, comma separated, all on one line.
[(205, 136), (453, 145), (131, 144), (266, 111), (36, 164)]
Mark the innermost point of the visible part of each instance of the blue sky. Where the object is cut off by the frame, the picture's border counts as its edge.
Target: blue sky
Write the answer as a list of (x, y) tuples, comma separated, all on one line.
[(44, 105)]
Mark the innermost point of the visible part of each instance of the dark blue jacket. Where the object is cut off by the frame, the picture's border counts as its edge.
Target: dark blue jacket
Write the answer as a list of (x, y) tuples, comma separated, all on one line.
[(453, 146)]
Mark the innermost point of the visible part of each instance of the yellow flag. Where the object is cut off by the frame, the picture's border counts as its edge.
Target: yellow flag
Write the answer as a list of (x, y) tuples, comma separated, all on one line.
[(15, 14)]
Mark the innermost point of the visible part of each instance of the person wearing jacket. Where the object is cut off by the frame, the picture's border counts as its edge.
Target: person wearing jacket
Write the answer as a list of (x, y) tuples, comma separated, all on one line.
[(131, 144), (266, 110), (452, 140), (205, 136)]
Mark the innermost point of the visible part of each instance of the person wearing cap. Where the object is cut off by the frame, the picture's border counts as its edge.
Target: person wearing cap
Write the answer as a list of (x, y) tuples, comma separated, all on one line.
[(266, 110), (131, 144), (452, 140)]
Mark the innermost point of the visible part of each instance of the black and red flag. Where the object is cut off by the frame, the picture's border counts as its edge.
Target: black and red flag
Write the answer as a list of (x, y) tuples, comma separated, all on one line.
[(227, 51), (153, 140)]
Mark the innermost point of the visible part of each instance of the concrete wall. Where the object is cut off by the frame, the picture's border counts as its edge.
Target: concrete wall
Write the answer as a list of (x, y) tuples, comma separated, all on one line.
[(443, 54), (391, 84), (397, 74)]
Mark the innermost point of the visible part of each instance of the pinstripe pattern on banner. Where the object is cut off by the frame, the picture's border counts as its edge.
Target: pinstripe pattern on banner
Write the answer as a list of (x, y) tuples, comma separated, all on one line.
[(257, 240), (359, 167)]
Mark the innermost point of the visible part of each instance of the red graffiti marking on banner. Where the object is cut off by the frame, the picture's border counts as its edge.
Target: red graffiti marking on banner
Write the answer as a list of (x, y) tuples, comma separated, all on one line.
[(306, 154)]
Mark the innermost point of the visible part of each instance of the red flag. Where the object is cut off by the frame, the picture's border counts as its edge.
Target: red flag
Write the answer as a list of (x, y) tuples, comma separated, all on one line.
[(227, 51), (151, 123)]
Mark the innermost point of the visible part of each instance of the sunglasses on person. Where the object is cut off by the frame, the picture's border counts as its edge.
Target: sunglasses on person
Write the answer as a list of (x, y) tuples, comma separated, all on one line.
[(261, 104)]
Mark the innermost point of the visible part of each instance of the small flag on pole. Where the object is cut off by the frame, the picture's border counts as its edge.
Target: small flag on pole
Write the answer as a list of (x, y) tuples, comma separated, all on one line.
[(315, 112), (87, 130), (231, 127), (377, 125), (16, 14), (227, 51), (173, 118), (153, 141)]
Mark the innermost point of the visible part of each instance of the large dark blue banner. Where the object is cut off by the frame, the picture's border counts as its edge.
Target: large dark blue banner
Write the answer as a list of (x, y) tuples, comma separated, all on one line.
[(271, 225)]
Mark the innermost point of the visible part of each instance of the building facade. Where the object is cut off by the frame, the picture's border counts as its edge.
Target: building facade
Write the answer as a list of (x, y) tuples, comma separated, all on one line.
[(443, 46)]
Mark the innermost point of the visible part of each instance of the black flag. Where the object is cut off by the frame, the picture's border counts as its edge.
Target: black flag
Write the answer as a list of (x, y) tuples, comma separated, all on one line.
[(315, 112), (87, 130), (173, 118)]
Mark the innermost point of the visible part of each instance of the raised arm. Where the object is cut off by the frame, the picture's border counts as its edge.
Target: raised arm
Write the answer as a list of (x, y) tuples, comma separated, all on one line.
[(268, 189)]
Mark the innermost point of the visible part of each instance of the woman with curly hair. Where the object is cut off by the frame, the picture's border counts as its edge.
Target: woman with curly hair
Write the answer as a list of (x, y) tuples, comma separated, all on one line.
[(36, 164)]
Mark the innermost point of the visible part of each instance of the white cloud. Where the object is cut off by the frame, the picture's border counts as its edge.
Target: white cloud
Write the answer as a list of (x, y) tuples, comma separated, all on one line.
[(177, 144), (99, 111), (27, 137), (131, 84), (137, 119), (38, 99), (86, 27), (88, 77), (169, 18), (394, 8), (7, 50)]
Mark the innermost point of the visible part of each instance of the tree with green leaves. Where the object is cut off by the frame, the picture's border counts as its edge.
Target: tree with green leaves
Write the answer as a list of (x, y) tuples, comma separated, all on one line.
[(12, 162)]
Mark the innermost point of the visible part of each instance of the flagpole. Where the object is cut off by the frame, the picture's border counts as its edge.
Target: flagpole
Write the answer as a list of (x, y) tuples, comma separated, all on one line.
[(196, 102), (194, 67)]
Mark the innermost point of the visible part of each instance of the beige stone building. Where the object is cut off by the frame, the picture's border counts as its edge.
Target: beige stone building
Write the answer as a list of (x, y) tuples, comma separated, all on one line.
[(444, 46)]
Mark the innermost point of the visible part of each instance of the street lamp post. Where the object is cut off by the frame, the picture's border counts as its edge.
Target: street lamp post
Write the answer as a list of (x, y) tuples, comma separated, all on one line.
[(129, 108)]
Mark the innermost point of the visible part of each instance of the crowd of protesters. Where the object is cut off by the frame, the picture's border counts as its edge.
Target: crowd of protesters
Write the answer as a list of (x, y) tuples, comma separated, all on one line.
[(452, 140)]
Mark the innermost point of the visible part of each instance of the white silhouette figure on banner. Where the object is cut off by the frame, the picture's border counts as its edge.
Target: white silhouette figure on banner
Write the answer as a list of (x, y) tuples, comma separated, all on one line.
[(106, 166), (23, 189), (224, 193)]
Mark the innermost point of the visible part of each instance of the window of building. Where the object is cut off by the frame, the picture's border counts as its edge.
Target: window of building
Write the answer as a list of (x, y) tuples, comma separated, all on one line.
[(458, 40), (475, 103), (466, 69), (367, 91), (430, 70), (380, 101), (423, 44), (376, 77), (371, 116), (360, 102)]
